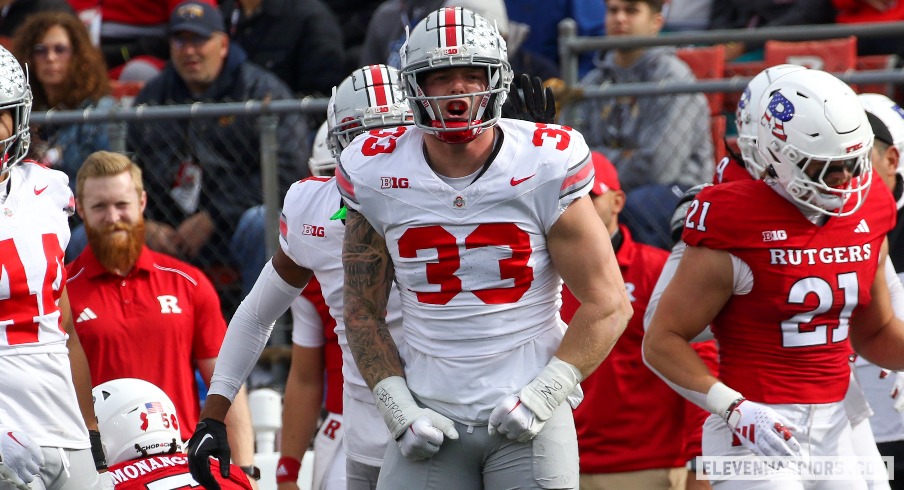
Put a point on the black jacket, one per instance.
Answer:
(226, 148)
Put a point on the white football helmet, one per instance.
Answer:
(449, 38)
(889, 112)
(136, 419)
(322, 162)
(746, 115)
(15, 96)
(812, 126)
(369, 98)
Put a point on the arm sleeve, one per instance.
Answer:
(895, 288)
(249, 330)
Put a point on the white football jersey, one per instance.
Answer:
(480, 296)
(314, 241)
(34, 362)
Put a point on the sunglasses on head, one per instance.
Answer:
(58, 49)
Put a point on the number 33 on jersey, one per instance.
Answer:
(460, 250)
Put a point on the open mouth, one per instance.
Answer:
(457, 108)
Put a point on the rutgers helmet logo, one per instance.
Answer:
(779, 111)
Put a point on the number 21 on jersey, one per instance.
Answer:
(21, 308)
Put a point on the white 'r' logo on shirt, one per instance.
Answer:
(168, 304)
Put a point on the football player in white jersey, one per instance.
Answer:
(475, 217)
(311, 231)
(42, 365)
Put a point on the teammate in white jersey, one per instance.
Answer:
(38, 383)
(311, 231)
(475, 218)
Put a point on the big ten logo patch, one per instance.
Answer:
(393, 183)
(330, 428)
(313, 230)
(169, 304)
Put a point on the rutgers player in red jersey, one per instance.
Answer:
(142, 440)
(44, 379)
(784, 269)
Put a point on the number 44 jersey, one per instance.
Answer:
(480, 296)
(783, 337)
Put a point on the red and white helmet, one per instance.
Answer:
(812, 123)
(322, 162)
(136, 419)
(15, 96)
(369, 98)
(455, 37)
(748, 112)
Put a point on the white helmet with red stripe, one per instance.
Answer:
(15, 96)
(454, 37)
(322, 161)
(369, 98)
(136, 419)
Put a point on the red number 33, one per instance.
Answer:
(381, 141)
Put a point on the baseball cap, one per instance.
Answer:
(606, 177)
(880, 130)
(198, 17)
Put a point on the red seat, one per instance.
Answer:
(876, 62)
(832, 55)
(707, 62)
(717, 128)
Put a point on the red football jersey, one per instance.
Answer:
(332, 354)
(170, 472)
(730, 170)
(622, 396)
(786, 341)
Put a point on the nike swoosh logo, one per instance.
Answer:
(39, 191)
(206, 436)
(13, 437)
(515, 181)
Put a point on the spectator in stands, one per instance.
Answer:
(126, 29)
(857, 11)
(144, 447)
(68, 73)
(14, 13)
(543, 17)
(298, 40)
(205, 183)
(617, 448)
(752, 14)
(120, 291)
(353, 17)
(386, 31)
(660, 145)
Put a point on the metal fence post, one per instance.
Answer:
(117, 134)
(267, 123)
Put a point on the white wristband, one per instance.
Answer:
(550, 388)
(720, 397)
(396, 404)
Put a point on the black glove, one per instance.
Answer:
(209, 440)
(538, 104)
(97, 451)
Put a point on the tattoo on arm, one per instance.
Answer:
(368, 278)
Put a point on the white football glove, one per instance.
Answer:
(761, 429)
(521, 417)
(401, 413)
(20, 458)
(897, 391)
(514, 420)
(106, 481)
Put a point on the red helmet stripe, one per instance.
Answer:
(379, 84)
(450, 27)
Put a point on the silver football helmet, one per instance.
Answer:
(449, 38)
(747, 114)
(15, 97)
(322, 162)
(813, 127)
(136, 419)
(369, 98)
